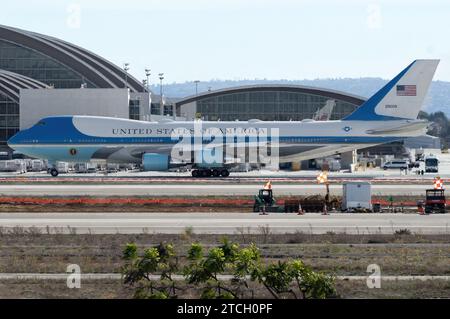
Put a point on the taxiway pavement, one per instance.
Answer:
(197, 189)
(227, 223)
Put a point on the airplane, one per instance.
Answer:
(324, 113)
(389, 115)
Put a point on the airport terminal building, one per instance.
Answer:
(10, 85)
(42, 76)
(267, 103)
(58, 63)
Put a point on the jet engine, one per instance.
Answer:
(155, 162)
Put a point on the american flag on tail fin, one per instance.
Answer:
(406, 90)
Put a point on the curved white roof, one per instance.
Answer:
(95, 69)
(11, 83)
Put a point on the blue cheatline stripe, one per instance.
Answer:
(168, 140)
(366, 112)
(61, 131)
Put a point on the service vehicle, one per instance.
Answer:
(397, 164)
(435, 201)
(431, 164)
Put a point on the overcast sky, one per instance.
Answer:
(247, 39)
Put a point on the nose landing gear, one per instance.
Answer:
(54, 172)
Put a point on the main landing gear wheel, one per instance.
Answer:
(209, 173)
(54, 172)
(205, 173)
(215, 173)
(225, 173)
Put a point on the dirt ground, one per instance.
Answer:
(170, 203)
(110, 289)
(337, 254)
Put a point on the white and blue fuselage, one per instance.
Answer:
(389, 115)
(84, 138)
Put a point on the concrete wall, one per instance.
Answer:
(38, 103)
(188, 110)
(145, 101)
(348, 159)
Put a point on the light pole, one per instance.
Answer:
(147, 74)
(144, 116)
(126, 67)
(161, 106)
(196, 86)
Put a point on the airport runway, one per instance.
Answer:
(197, 189)
(227, 223)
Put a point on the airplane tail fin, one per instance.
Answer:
(401, 98)
(324, 113)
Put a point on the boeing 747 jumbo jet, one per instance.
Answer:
(211, 147)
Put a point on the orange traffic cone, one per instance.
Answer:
(421, 210)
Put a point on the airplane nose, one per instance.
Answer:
(13, 140)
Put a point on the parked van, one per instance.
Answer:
(398, 164)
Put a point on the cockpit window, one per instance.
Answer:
(42, 123)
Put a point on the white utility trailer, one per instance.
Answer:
(356, 196)
(62, 167)
(16, 165)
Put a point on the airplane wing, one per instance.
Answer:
(323, 151)
(411, 127)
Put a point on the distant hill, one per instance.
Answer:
(437, 100)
